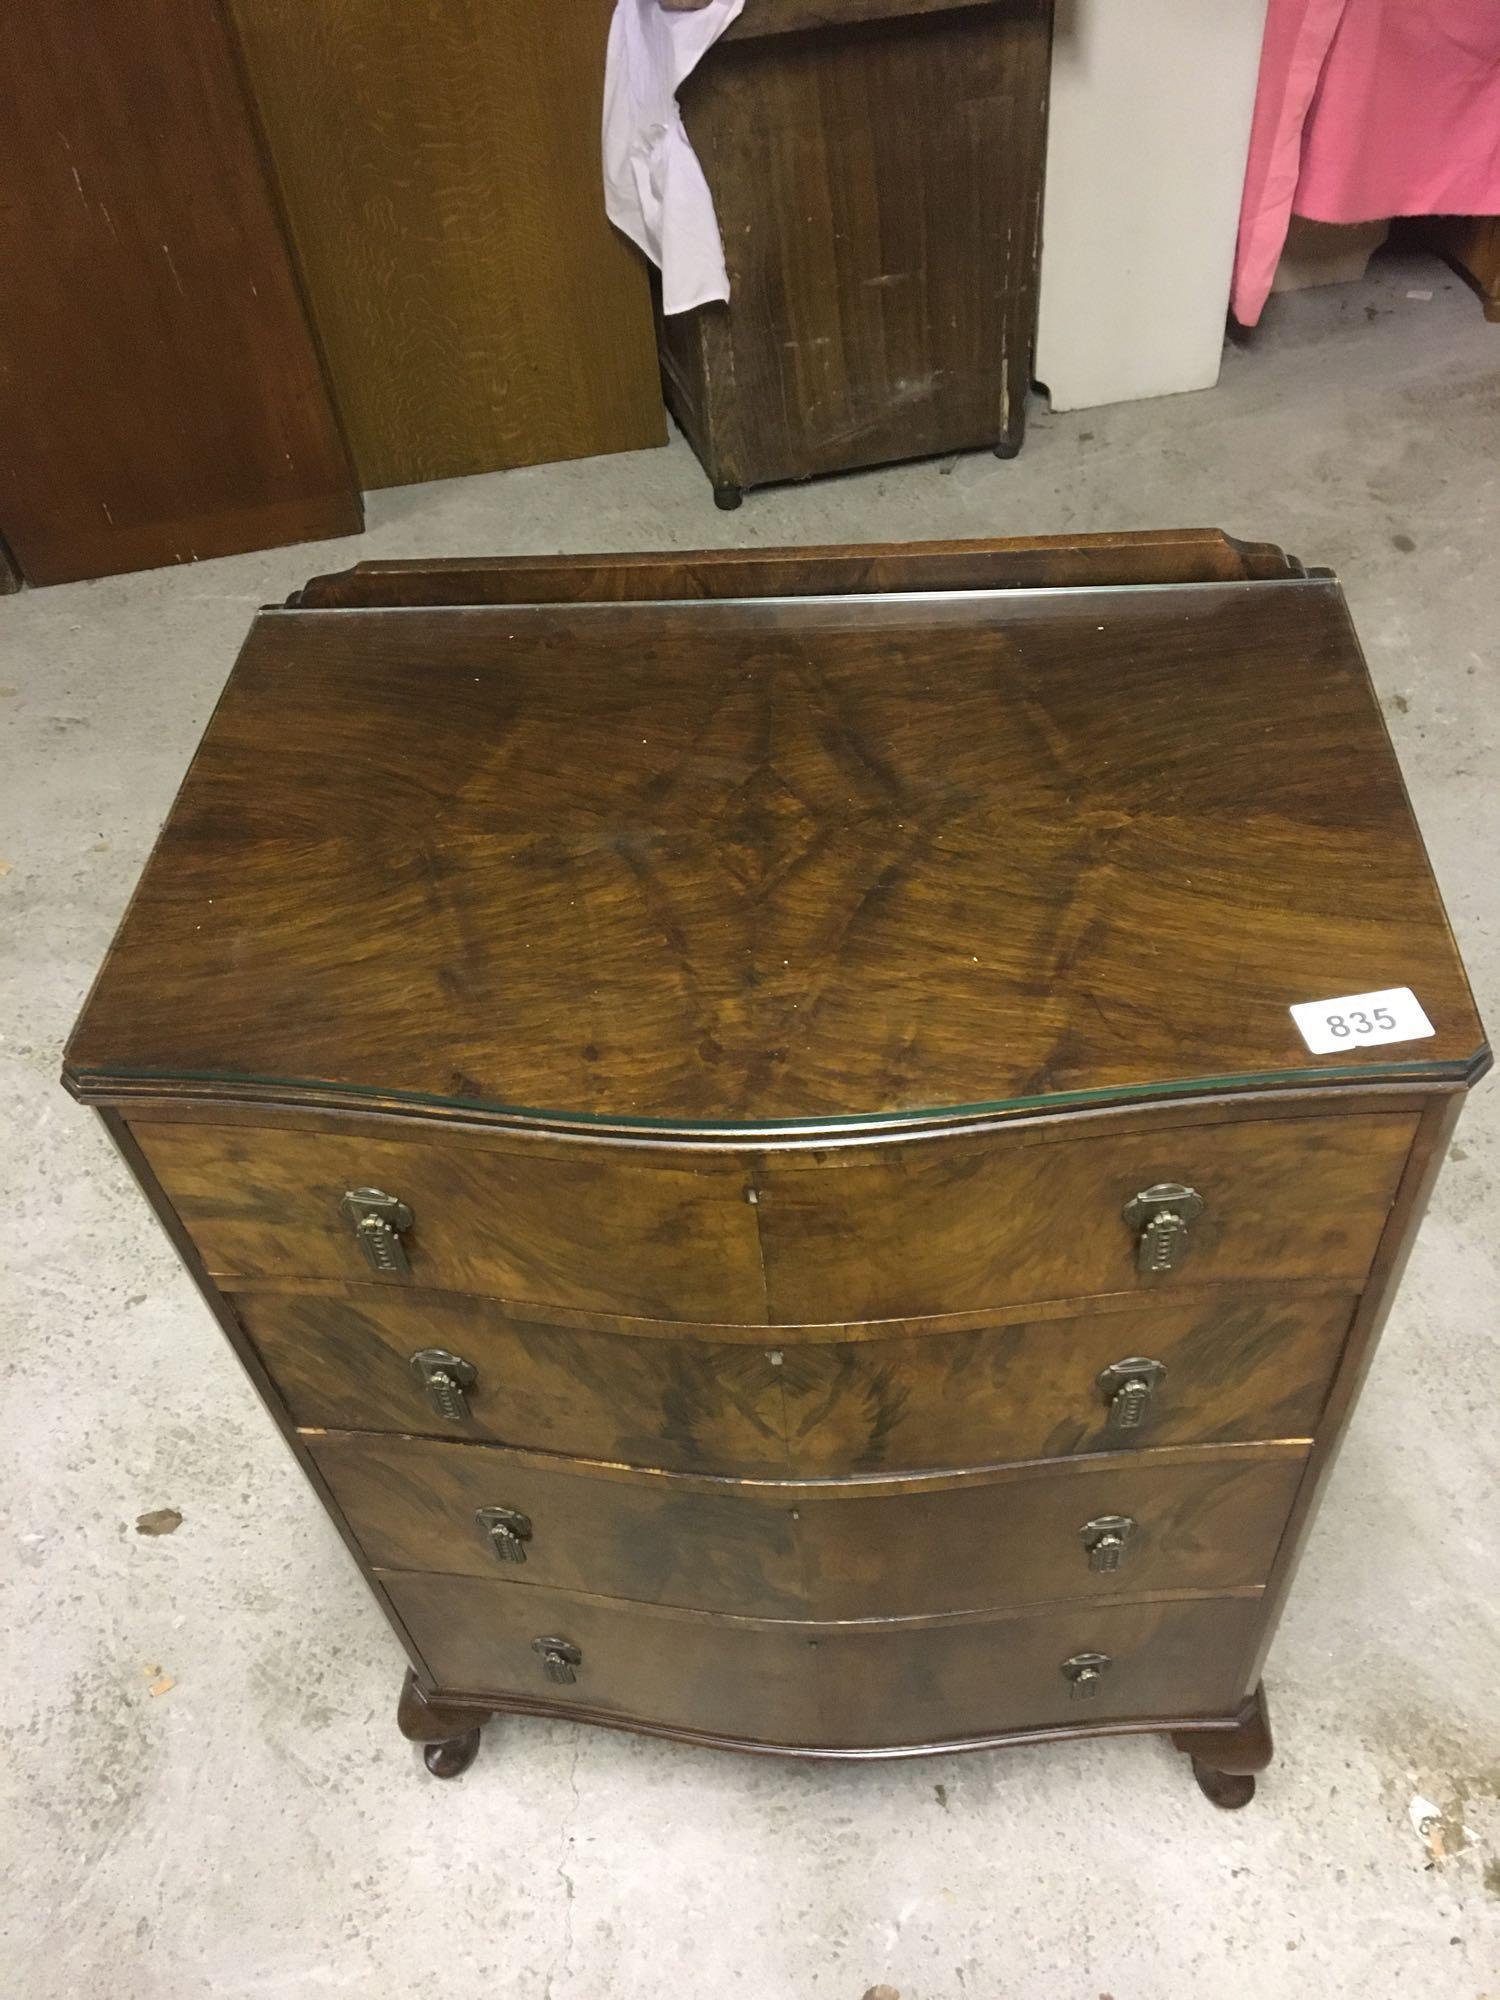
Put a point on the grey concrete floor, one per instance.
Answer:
(258, 1828)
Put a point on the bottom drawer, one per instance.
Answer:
(839, 1687)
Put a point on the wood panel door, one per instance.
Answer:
(161, 397)
(441, 175)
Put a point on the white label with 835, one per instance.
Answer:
(1362, 1020)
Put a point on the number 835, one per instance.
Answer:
(1356, 1022)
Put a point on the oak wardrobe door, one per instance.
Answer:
(439, 166)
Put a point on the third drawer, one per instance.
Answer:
(997, 1539)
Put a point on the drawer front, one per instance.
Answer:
(958, 1225)
(606, 1234)
(1227, 1370)
(343, 1361)
(832, 1687)
(1233, 1369)
(931, 1227)
(1163, 1521)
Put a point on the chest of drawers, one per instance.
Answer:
(744, 1116)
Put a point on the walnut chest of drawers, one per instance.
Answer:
(744, 1115)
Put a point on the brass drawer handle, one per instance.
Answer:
(1128, 1386)
(377, 1220)
(1160, 1215)
(446, 1378)
(509, 1531)
(560, 1659)
(1085, 1671)
(1105, 1539)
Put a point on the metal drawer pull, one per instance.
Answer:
(509, 1532)
(1085, 1671)
(377, 1220)
(1128, 1387)
(1105, 1540)
(560, 1658)
(1161, 1215)
(445, 1377)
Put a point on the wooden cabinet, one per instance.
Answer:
(877, 170)
(754, 1140)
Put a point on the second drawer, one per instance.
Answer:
(883, 1548)
(1221, 1369)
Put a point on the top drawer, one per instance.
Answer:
(934, 1226)
(964, 1224)
(602, 1231)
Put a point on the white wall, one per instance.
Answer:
(1150, 125)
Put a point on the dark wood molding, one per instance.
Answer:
(456, 1709)
(1026, 562)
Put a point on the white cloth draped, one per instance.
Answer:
(654, 187)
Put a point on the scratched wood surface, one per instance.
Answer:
(759, 861)
(439, 166)
(879, 188)
(893, 1397)
(980, 1541)
(869, 1685)
(161, 398)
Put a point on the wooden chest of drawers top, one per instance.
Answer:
(771, 865)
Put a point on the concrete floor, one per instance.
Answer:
(204, 1792)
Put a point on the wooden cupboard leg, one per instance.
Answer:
(727, 498)
(449, 1736)
(1225, 1760)
(1008, 447)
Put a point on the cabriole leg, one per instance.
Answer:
(449, 1736)
(1225, 1760)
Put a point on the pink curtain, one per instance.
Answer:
(1368, 109)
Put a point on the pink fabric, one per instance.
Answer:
(1366, 109)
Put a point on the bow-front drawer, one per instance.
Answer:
(1075, 1208)
(885, 1548)
(1209, 1368)
(917, 1682)
(615, 1232)
(932, 1226)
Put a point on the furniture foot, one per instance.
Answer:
(1008, 448)
(727, 498)
(1225, 1760)
(449, 1736)
(453, 1756)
